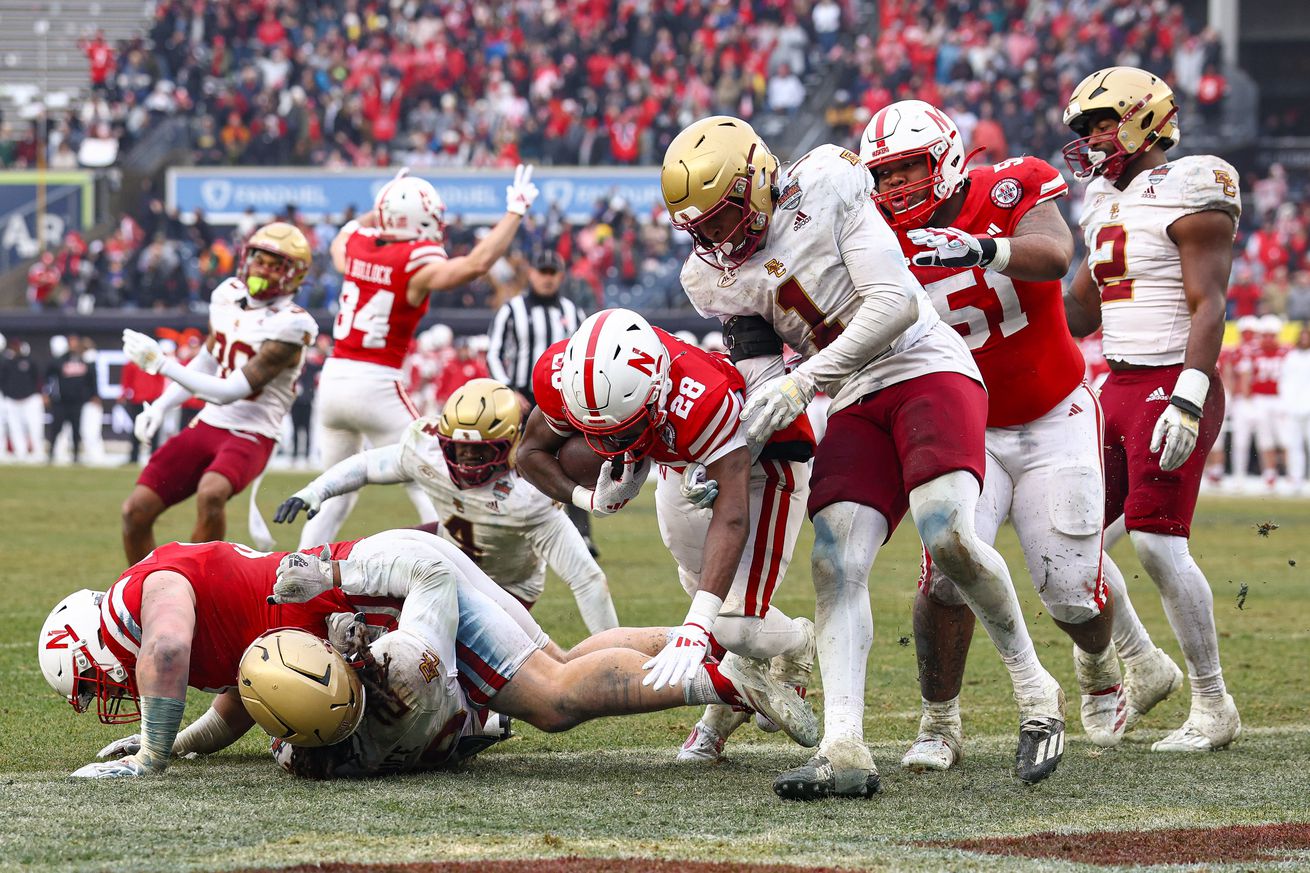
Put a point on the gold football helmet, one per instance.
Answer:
(300, 689)
(286, 242)
(478, 430)
(715, 165)
(1147, 115)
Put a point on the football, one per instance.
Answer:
(580, 463)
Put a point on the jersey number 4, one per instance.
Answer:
(373, 318)
(974, 305)
(461, 531)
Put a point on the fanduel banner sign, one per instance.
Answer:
(476, 195)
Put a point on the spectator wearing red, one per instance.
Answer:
(43, 282)
(101, 57)
(1244, 294)
(1210, 93)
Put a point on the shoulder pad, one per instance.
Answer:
(1207, 182)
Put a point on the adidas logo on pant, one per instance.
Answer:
(1158, 394)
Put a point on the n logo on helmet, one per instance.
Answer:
(642, 362)
(58, 638)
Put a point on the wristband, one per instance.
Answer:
(1000, 259)
(582, 497)
(704, 610)
(1190, 391)
(160, 719)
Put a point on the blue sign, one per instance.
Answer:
(67, 199)
(478, 196)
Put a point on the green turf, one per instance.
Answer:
(611, 787)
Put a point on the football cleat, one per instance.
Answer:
(938, 747)
(1210, 726)
(1041, 732)
(1147, 681)
(794, 670)
(497, 728)
(1104, 706)
(705, 742)
(843, 769)
(762, 693)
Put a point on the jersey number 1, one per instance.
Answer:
(792, 298)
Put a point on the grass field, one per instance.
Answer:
(611, 788)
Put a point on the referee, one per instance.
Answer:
(524, 327)
(529, 323)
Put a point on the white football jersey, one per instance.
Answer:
(1144, 311)
(238, 334)
(825, 225)
(508, 527)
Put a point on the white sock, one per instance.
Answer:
(944, 713)
(1189, 605)
(847, 539)
(774, 634)
(1130, 637)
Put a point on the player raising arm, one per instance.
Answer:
(246, 372)
(1159, 236)
(463, 461)
(391, 261)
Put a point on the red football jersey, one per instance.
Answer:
(704, 407)
(375, 322)
(1015, 329)
(231, 584)
(1265, 366)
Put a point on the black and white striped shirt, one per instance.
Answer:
(522, 329)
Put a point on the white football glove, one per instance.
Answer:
(301, 577)
(128, 767)
(610, 494)
(1175, 432)
(121, 748)
(951, 247)
(697, 488)
(147, 424)
(681, 655)
(520, 194)
(144, 351)
(776, 404)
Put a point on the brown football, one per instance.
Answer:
(580, 463)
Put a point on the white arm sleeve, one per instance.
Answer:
(888, 290)
(558, 542)
(208, 387)
(427, 585)
(175, 393)
(372, 467)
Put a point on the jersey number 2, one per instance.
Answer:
(373, 318)
(1110, 265)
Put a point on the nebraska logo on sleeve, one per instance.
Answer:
(1007, 192)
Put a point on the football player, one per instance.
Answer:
(990, 247)
(808, 251)
(463, 461)
(246, 372)
(391, 260)
(640, 395)
(185, 615)
(1159, 237)
(1259, 370)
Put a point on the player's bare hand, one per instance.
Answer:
(301, 577)
(1174, 437)
(147, 424)
(120, 748)
(776, 404)
(144, 351)
(304, 499)
(520, 195)
(698, 488)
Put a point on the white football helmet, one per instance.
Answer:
(613, 381)
(1249, 324)
(908, 129)
(713, 342)
(1270, 324)
(409, 208)
(76, 663)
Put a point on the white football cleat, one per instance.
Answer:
(932, 751)
(704, 745)
(1148, 681)
(1104, 708)
(1210, 726)
(762, 693)
(794, 670)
